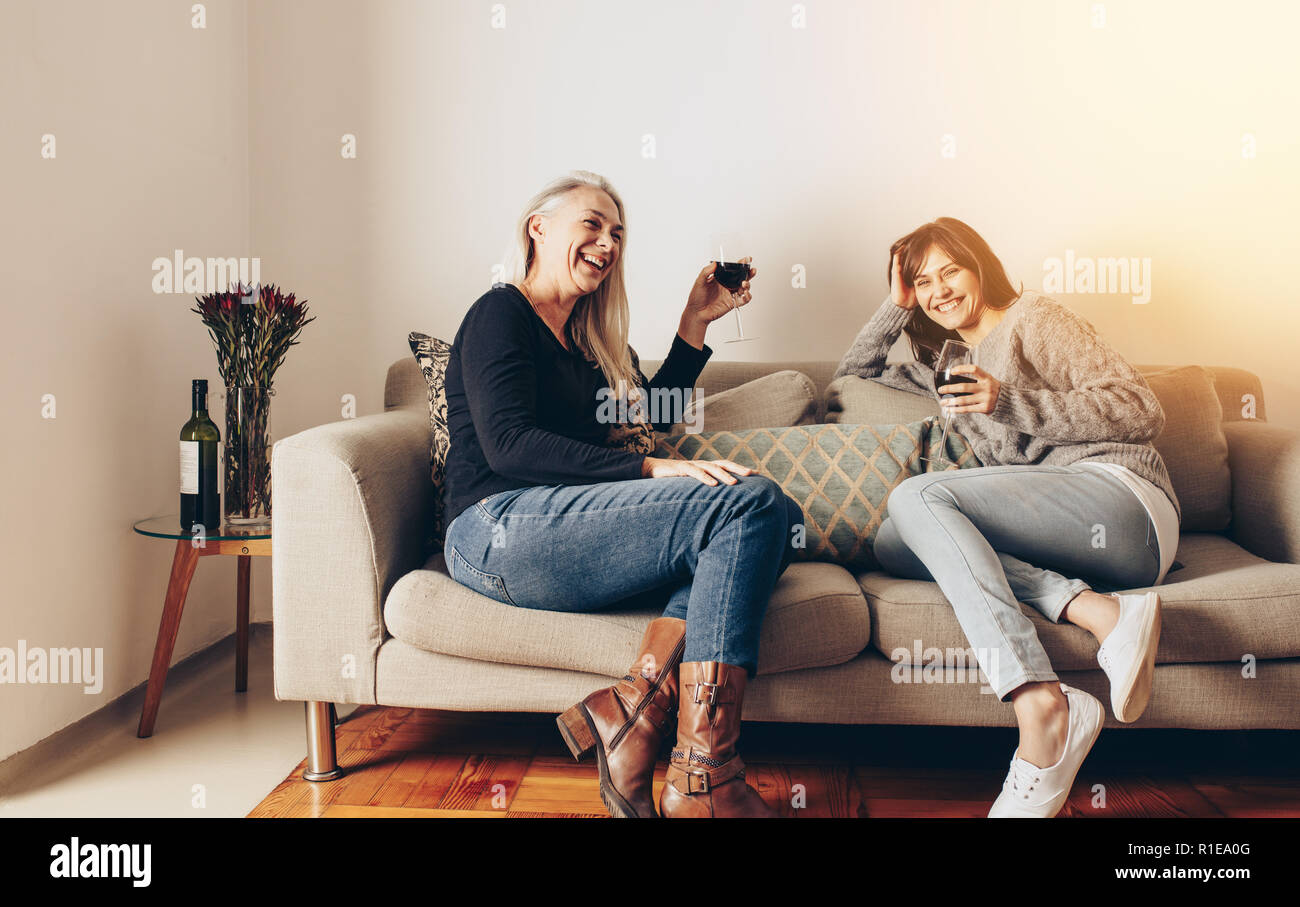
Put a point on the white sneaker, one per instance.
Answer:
(1030, 792)
(1128, 656)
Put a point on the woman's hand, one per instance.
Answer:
(710, 300)
(704, 470)
(980, 397)
(904, 296)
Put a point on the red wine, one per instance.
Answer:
(730, 273)
(945, 377)
(200, 502)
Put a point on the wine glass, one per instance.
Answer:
(953, 353)
(725, 250)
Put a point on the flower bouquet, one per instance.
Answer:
(252, 328)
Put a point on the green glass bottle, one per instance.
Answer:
(199, 437)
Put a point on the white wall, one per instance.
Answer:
(823, 143)
(151, 135)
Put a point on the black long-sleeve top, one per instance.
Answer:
(521, 409)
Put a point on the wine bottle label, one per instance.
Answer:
(189, 467)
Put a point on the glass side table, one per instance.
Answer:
(227, 540)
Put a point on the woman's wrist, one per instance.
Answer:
(692, 330)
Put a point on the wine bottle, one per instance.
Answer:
(199, 436)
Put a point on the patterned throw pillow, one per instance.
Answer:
(841, 474)
(636, 435)
(432, 355)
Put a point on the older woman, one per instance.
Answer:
(552, 506)
(1062, 426)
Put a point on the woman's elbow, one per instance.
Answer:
(1151, 425)
(501, 457)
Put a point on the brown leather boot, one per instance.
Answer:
(624, 723)
(706, 777)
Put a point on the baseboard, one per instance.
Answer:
(123, 707)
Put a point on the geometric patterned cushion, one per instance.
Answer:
(841, 474)
(432, 355)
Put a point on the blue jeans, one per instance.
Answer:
(708, 554)
(993, 535)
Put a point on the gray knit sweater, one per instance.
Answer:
(1066, 396)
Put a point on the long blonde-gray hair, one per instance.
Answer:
(599, 321)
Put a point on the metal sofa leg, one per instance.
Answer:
(322, 760)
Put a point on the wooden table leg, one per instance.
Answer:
(178, 586)
(241, 626)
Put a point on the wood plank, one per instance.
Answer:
(1248, 799)
(486, 782)
(1138, 797)
(535, 815)
(347, 811)
(434, 784)
(429, 775)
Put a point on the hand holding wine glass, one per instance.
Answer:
(730, 276)
(711, 298)
(949, 384)
(977, 390)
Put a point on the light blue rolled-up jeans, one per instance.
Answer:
(994, 536)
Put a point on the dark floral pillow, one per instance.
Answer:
(432, 355)
(636, 436)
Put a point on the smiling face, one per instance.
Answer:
(579, 244)
(948, 292)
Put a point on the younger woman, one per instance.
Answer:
(1062, 426)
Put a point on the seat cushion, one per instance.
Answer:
(1222, 605)
(841, 475)
(816, 617)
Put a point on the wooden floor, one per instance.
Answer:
(413, 763)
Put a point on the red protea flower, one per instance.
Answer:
(252, 329)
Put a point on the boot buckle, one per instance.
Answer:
(697, 782)
(713, 693)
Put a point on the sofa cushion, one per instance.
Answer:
(841, 475)
(862, 401)
(1193, 445)
(815, 617)
(1222, 605)
(786, 397)
(432, 355)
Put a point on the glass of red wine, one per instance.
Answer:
(953, 353)
(725, 251)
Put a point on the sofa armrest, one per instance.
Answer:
(1265, 464)
(352, 508)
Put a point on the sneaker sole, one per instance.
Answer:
(1134, 695)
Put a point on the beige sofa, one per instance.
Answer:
(366, 613)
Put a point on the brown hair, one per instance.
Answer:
(968, 249)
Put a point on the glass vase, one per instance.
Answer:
(246, 502)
